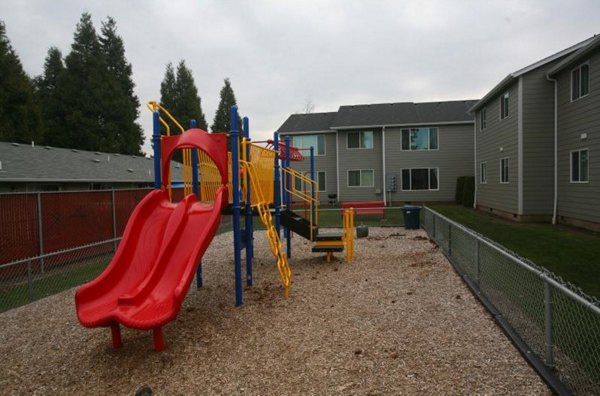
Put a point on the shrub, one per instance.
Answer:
(468, 196)
(458, 195)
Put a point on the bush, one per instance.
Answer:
(468, 196)
(458, 195)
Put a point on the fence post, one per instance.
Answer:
(114, 220)
(548, 324)
(40, 230)
(449, 239)
(29, 281)
(477, 276)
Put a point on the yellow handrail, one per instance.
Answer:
(304, 196)
(348, 224)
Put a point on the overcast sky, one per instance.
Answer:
(279, 55)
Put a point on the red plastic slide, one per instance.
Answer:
(145, 284)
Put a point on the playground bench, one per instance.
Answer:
(365, 207)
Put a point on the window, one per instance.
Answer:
(360, 178)
(306, 141)
(360, 140)
(579, 166)
(483, 173)
(504, 106)
(482, 119)
(580, 81)
(420, 179)
(504, 170)
(416, 139)
(300, 185)
(321, 181)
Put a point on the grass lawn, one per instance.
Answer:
(570, 253)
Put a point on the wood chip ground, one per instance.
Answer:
(398, 320)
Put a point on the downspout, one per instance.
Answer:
(383, 156)
(337, 165)
(475, 159)
(555, 206)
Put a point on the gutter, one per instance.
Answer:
(555, 205)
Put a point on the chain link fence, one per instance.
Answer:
(554, 324)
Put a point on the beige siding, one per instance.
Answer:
(355, 159)
(579, 200)
(538, 142)
(453, 158)
(499, 134)
(323, 163)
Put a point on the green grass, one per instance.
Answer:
(568, 252)
(51, 282)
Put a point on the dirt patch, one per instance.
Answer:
(397, 320)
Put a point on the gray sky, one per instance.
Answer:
(281, 54)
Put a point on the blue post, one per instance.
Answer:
(288, 199)
(195, 182)
(312, 177)
(156, 146)
(235, 181)
(277, 187)
(196, 190)
(249, 221)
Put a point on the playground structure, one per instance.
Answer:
(147, 280)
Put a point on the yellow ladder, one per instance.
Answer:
(262, 206)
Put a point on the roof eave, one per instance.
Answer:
(340, 128)
(575, 57)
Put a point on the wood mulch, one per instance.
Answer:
(397, 320)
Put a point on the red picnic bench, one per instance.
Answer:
(365, 207)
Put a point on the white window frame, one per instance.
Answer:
(359, 170)
(482, 172)
(571, 166)
(482, 119)
(428, 139)
(507, 170)
(505, 95)
(588, 81)
(428, 178)
(306, 151)
(359, 140)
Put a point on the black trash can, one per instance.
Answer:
(411, 217)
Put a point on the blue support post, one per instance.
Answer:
(235, 181)
(277, 187)
(288, 203)
(312, 190)
(156, 147)
(196, 190)
(195, 181)
(249, 221)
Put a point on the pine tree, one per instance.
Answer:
(188, 103)
(222, 120)
(168, 96)
(49, 96)
(20, 119)
(86, 91)
(124, 104)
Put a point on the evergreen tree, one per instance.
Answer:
(123, 106)
(168, 96)
(222, 120)
(20, 119)
(49, 96)
(187, 102)
(86, 91)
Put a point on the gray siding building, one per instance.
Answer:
(358, 149)
(578, 137)
(514, 143)
(544, 111)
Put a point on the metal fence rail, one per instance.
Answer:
(24, 281)
(555, 325)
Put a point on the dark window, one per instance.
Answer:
(360, 140)
(321, 181)
(482, 119)
(418, 139)
(579, 166)
(580, 81)
(420, 179)
(504, 170)
(504, 106)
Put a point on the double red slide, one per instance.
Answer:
(146, 282)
